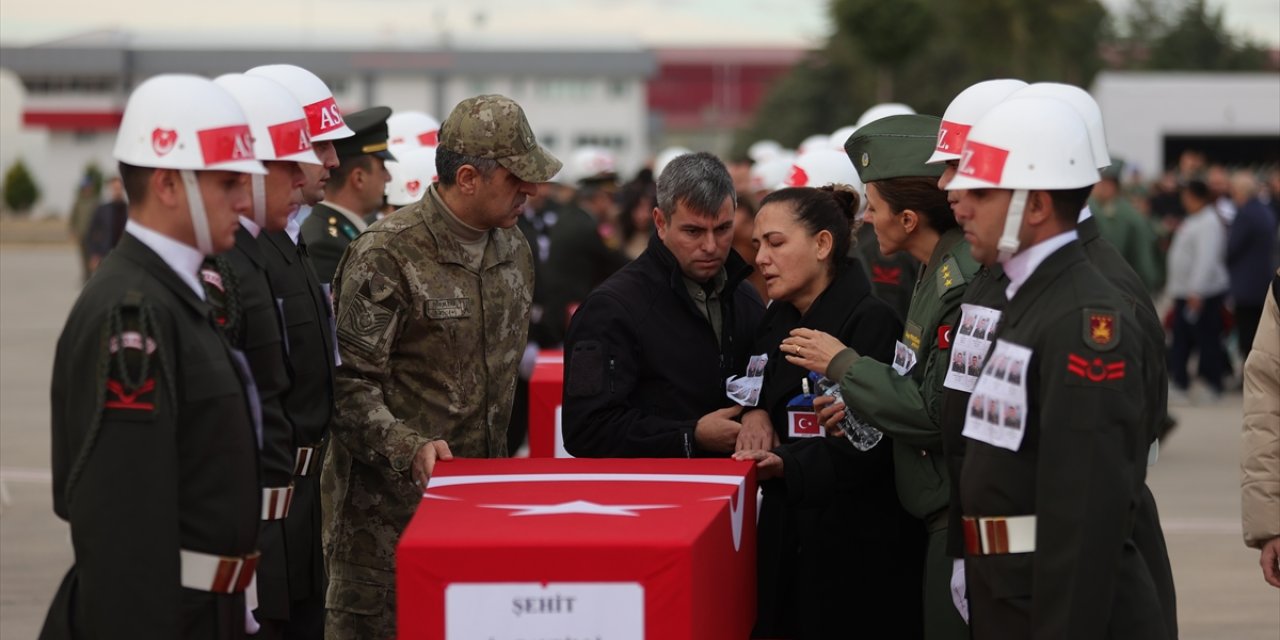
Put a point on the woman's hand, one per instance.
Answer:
(768, 464)
(811, 349)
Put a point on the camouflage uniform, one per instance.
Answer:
(430, 349)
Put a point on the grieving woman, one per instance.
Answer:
(838, 556)
(902, 396)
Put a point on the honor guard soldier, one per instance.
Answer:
(311, 349)
(253, 317)
(433, 315)
(354, 190)
(1052, 472)
(155, 445)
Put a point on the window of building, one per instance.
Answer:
(618, 88)
(51, 85)
(608, 141)
(564, 89)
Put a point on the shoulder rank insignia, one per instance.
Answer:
(1095, 370)
(949, 276)
(1101, 329)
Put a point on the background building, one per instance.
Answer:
(73, 93)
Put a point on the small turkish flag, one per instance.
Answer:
(804, 424)
(944, 336)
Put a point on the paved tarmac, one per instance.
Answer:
(1221, 594)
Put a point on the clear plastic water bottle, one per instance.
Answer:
(860, 434)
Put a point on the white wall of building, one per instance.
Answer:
(1140, 109)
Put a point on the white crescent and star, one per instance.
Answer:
(584, 507)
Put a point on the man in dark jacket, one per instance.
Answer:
(1249, 262)
(648, 352)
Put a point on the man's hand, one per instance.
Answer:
(1270, 562)
(768, 464)
(425, 462)
(718, 431)
(830, 413)
(757, 432)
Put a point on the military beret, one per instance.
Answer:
(495, 127)
(1114, 171)
(895, 147)
(370, 127)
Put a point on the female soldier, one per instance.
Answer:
(838, 556)
(909, 213)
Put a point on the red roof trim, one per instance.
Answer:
(73, 120)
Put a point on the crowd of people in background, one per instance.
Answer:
(346, 255)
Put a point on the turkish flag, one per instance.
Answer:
(500, 548)
(804, 424)
(546, 393)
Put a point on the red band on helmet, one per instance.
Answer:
(323, 116)
(288, 138)
(983, 162)
(429, 139)
(412, 187)
(798, 177)
(951, 136)
(226, 144)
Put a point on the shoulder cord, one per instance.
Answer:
(114, 330)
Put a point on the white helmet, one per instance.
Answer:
(813, 143)
(188, 123)
(762, 150)
(278, 124)
(1025, 144)
(665, 157)
(1085, 107)
(587, 163)
(768, 174)
(965, 109)
(841, 136)
(178, 121)
(822, 167)
(882, 110)
(412, 129)
(324, 119)
(413, 170)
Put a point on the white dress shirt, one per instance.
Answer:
(184, 259)
(1020, 267)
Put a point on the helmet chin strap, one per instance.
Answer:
(199, 221)
(1008, 244)
(259, 200)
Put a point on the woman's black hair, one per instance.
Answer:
(833, 208)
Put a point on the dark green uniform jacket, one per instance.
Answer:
(908, 408)
(834, 503)
(309, 341)
(1079, 468)
(327, 232)
(154, 451)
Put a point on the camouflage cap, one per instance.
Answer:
(493, 126)
(895, 147)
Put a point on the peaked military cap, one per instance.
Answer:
(370, 127)
(895, 147)
(495, 127)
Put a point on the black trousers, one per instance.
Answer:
(1200, 332)
(1247, 319)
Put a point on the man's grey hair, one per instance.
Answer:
(699, 180)
(448, 163)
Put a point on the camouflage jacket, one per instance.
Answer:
(430, 350)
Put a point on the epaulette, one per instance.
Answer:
(333, 226)
(949, 276)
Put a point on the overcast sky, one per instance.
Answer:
(410, 22)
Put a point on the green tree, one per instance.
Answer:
(1199, 40)
(887, 33)
(20, 190)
